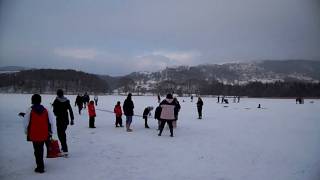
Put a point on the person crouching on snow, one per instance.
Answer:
(118, 111)
(39, 126)
(146, 113)
(92, 114)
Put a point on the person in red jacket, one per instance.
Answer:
(39, 126)
(118, 111)
(92, 114)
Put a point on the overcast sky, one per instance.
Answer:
(117, 37)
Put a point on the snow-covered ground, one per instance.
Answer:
(238, 142)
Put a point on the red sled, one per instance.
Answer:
(53, 149)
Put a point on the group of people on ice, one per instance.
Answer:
(40, 126)
(83, 101)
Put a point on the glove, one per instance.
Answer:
(71, 123)
(54, 136)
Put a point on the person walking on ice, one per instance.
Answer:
(92, 114)
(39, 126)
(167, 113)
(61, 106)
(128, 107)
(118, 111)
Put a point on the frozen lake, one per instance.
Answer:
(281, 141)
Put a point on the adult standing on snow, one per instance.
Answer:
(159, 98)
(128, 107)
(176, 112)
(38, 126)
(199, 107)
(167, 113)
(61, 106)
(79, 103)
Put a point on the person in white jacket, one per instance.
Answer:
(39, 127)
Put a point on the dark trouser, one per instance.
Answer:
(96, 102)
(118, 121)
(38, 154)
(145, 121)
(79, 108)
(91, 122)
(163, 122)
(62, 137)
(200, 112)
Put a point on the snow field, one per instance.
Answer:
(238, 142)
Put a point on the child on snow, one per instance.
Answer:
(38, 126)
(118, 111)
(92, 114)
(146, 113)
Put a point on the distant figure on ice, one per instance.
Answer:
(176, 112)
(238, 99)
(167, 113)
(159, 98)
(218, 99)
(39, 126)
(86, 99)
(118, 111)
(191, 98)
(79, 103)
(225, 101)
(146, 113)
(92, 114)
(199, 107)
(128, 107)
(61, 106)
(96, 99)
(299, 100)
(222, 99)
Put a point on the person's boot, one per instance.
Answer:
(146, 126)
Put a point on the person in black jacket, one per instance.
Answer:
(146, 112)
(61, 106)
(79, 103)
(128, 107)
(199, 107)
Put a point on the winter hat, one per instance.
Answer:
(169, 96)
(35, 99)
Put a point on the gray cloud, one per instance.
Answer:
(117, 37)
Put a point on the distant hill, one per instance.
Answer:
(258, 79)
(49, 80)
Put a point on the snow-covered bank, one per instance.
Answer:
(238, 142)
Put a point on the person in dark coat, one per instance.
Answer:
(176, 112)
(146, 113)
(167, 113)
(157, 114)
(128, 107)
(79, 103)
(86, 99)
(61, 106)
(159, 98)
(39, 127)
(199, 107)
